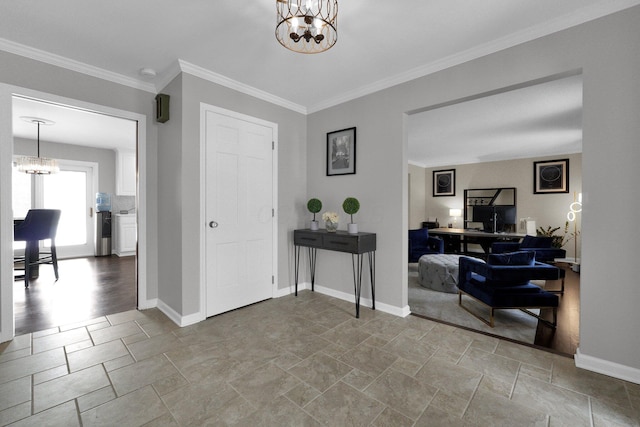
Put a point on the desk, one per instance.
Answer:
(356, 244)
(455, 237)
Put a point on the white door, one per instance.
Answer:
(239, 212)
(71, 190)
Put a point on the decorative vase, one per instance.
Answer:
(314, 225)
(352, 228)
(332, 227)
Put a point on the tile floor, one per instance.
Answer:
(296, 361)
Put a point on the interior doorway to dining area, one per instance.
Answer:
(92, 267)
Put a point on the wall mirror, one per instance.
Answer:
(490, 209)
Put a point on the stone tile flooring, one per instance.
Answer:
(296, 362)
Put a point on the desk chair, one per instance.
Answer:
(420, 243)
(40, 224)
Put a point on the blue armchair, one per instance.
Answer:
(503, 282)
(541, 245)
(420, 243)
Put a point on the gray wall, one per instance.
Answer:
(105, 158)
(608, 53)
(418, 191)
(171, 201)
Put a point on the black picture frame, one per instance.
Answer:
(341, 152)
(444, 183)
(551, 176)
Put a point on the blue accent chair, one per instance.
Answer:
(541, 245)
(420, 243)
(503, 282)
(39, 224)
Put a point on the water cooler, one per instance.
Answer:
(103, 225)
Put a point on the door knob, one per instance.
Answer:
(213, 224)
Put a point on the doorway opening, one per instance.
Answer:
(490, 140)
(86, 144)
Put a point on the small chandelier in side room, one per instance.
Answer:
(38, 165)
(307, 26)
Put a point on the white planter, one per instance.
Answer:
(314, 225)
(352, 228)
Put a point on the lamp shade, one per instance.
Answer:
(455, 212)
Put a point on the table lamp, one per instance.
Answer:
(455, 213)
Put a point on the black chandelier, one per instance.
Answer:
(307, 26)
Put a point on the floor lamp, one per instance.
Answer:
(572, 216)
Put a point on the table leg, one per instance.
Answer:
(372, 275)
(296, 255)
(312, 266)
(356, 263)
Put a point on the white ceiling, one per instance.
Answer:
(379, 44)
(539, 120)
(72, 125)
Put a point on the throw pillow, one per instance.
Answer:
(512, 258)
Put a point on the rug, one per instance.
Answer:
(512, 324)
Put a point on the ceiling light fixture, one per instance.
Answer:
(307, 26)
(38, 165)
(148, 72)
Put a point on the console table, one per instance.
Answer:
(357, 245)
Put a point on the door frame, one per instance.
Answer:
(7, 325)
(92, 187)
(204, 108)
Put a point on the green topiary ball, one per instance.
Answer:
(314, 205)
(351, 205)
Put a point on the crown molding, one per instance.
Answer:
(555, 25)
(205, 74)
(168, 75)
(603, 8)
(70, 64)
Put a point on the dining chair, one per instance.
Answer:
(39, 224)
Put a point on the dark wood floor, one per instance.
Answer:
(566, 336)
(87, 288)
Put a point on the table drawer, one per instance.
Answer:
(341, 243)
(307, 239)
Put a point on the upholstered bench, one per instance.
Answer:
(439, 272)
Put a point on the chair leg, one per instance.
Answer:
(54, 259)
(27, 269)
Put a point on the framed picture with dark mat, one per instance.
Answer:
(551, 176)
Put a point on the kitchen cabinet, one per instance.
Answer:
(125, 172)
(125, 238)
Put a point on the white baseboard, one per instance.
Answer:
(150, 303)
(283, 292)
(606, 367)
(364, 302)
(178, 319)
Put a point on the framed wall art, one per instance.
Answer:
(341, 152)
(444, 183)
(551, 176)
